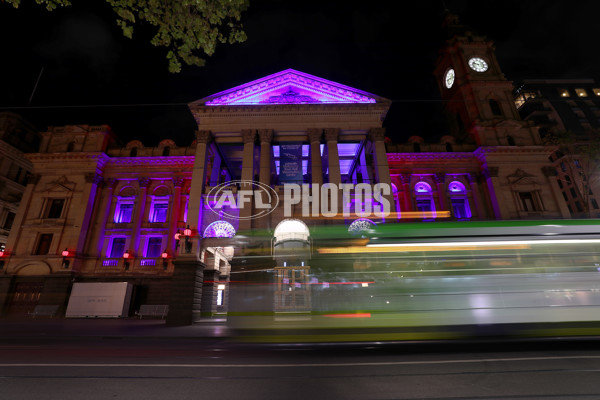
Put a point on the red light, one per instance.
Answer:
(177, 235)
(164, 254)
(187, 231)
(126, 255)
(1, 254)
(65, 253)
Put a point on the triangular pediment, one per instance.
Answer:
(290, 87)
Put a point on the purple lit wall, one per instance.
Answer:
(290, 87)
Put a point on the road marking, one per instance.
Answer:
(470, 361)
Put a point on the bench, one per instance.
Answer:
(151, 310)
(44, 311)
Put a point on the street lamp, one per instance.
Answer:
(126, 256)
(188, 245)
(65, 262)
(1, 259)
(177, 236)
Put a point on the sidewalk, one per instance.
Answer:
(104, 327)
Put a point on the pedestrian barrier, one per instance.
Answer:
(151, 310)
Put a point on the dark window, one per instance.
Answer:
(577, 163)
(117, 247)
(560, 184)
(55, 208)
(424, 204)
(563, 167)
(573, 193)
(570, 209)
(133, 152)
(495, 107)
(416, 147)
(565, 196)
(459, 208)
(449, 147)
(43, 244)
(510, 140)
(70, 147)
(568, 178)
(527, 201)
(154, 247)
(166, 151)
(579, 208)
(594, 204)
(8, 222)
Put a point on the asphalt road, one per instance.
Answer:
(212, 368)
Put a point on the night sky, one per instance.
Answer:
(386, 48)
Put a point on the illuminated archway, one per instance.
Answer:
(219, 229)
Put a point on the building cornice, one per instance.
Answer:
(100, 158)
(430, 156)
(187, 161)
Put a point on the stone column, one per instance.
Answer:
(139, 215)
(440, 180)
(83, 215)
(24, 207)
(550, 173)
(195, 203)
(186, 292)
(215, 174)
(333, 158)
(382, 169)
(476, 196)
(248, 136)
(265, 135)
(407, 194)
(491, 176)
(173, 224)
(316, 167)
(105, 206)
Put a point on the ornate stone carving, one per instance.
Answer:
(520, 177)
(33, 179)
(265, 135)
(248, 135)
(493, 172)
(178, 181)
(439, 177)
(144, 182)
(331, 134)
(290, 97)
(94, 178)
(376, 134)
(314, 135)
(549, 171)
(202, 136)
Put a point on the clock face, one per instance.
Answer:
(449, 78)
(478, 64)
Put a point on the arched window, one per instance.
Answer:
(133, 152)
(417, 147)
(361, 226)
(510, 140)
(459, 200)
(70, 147)
(166, 151)
(424, 197)
(291, 229)
(449, 147)
(495, 107)
(219, 229)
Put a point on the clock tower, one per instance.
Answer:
(477, 98)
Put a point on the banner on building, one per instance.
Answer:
(290, 163)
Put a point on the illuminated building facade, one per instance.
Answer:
(93, 211)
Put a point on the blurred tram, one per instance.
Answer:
(437, 280)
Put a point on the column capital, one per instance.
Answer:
(405, 178)
(144, 182)
(377, 134)
(331, 134)
(110, 183)
(314, 135)
(439, 177)
(178, 181)
(248, 135)
(549, 171)
(94, 178)
(202, 136)
(265, 135)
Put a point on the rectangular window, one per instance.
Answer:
(565, 196)
(43, 246)
(577, 163)
(424, 205)
(573, 193)
(460, 208)
(527, 201)
(117, 247)
(55, 208)
(579, 208)
(154, 247)
(560, 184)
(8, 221)
(124, 211)
(159, 209)
(594, 204)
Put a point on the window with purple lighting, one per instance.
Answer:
(154, 247)
(459, 200)
(219, 229)
(117, 247)
(159, 209)
(124, 210)
(424, 197)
